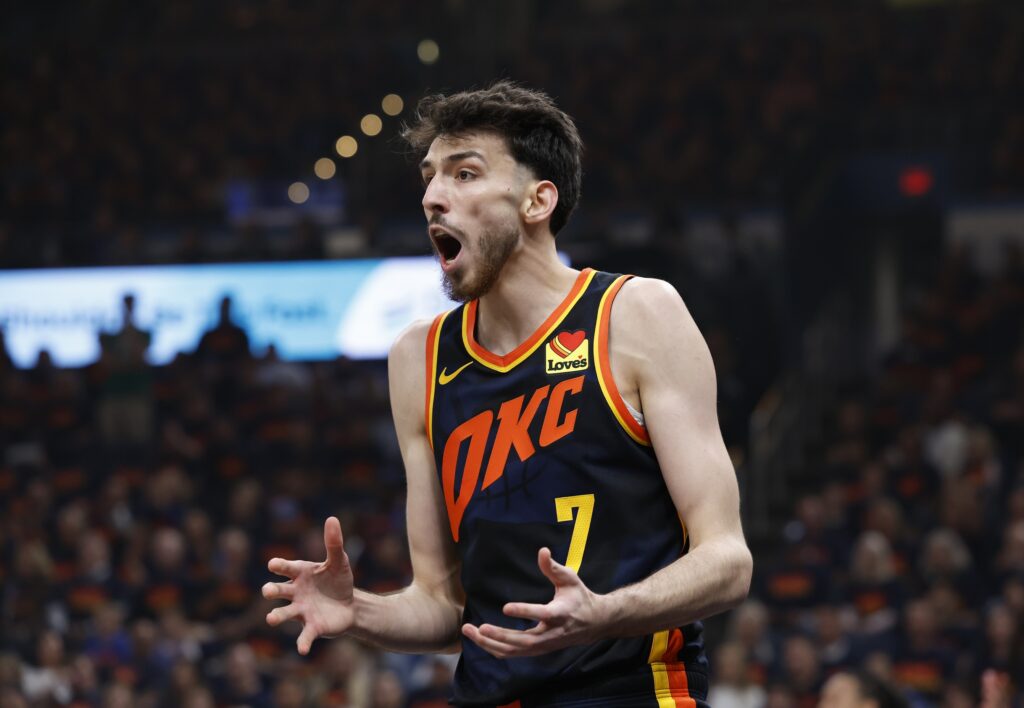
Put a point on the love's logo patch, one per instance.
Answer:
(567, 351)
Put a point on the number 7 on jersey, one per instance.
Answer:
(584, 506)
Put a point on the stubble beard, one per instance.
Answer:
(494, 249)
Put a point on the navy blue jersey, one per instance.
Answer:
(538, 448)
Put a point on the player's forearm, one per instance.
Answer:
(410, 620)
(709, 579)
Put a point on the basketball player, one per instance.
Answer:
(572, 510)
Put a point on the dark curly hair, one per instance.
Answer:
(538, 134)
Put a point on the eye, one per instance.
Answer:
(426, 180)
(464, 175)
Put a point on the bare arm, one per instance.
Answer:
(422, 617)
(658, 351)
(661, 364)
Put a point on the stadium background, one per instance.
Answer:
(836, 189)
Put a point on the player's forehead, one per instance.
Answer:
(490, 147)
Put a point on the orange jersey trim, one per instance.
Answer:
(507, 362)
(671, 687)
(602, 362)
(433, 340)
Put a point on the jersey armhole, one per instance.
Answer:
(433, 341)
(602, 364)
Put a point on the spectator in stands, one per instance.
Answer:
(345, 673)
(107, 643)
(226, 344)
(921, 661)
(290, 375)
(780, 696)
(750, 627)
(387, 691)
(1013, 593)
(289, 692)
(184, 678)
(242, 682)
(733, 685)
(875, 591)
(433, 693)
(199, 697)
(957, 619)
(1003, 646)
(1010, 560)
(85, 683)
(836, 646)
(49, 678)
(119, 695)
(11, 681)
(859, 690)
(801, 670)
(885, 516)
(126, 401)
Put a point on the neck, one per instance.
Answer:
(532, 284)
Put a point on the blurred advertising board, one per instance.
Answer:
(308, 310)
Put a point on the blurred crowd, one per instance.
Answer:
(125, 126)
(142, 503)
(905, 551)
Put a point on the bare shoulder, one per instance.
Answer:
(650, 324)
(407, 371)
(650, 303)
(410, 344)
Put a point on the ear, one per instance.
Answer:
(540, 202)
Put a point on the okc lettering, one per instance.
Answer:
(514, 418)
(566, 365)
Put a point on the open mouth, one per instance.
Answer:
(448, 247)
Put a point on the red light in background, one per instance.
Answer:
(916, 181)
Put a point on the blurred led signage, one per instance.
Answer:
(309, 311)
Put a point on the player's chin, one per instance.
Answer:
(460, 284)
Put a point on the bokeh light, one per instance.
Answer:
(428, 51)
(371, 124)
(324, 168)
(298, 192)
(392, 104)
(346, 146)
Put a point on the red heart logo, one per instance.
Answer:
(570, 340)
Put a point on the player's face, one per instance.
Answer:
(473, 192)
(842, 691)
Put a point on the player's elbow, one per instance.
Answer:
(739, 571)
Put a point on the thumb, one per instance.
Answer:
(334, 542)
(554, 571)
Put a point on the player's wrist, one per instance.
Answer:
(608, 612)
(362, 608)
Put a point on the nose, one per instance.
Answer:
(435, 198)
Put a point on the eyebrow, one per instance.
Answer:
(456, 157)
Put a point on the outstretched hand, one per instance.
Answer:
(320, 594)
(574, 616)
